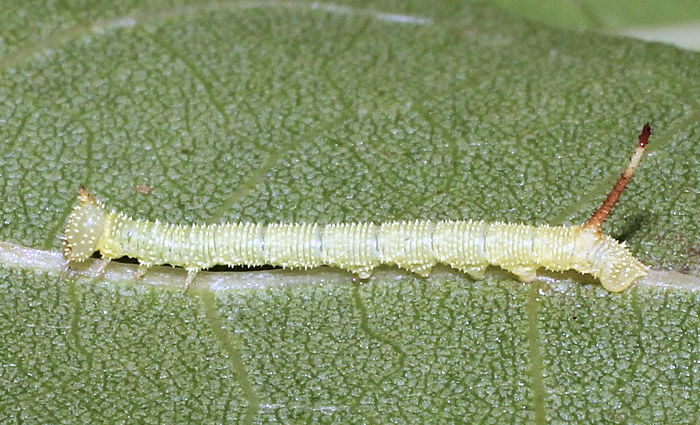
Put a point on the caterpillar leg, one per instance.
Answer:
(104, 261)
(422, 270)
(143, 268)
(363, 273)
(475, 272)
(525, 274)
(191, 274)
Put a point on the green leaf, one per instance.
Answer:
(601, 14)
(295, 111)
(676, 23)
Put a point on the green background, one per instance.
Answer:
(360, 111)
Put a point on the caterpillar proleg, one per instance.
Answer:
(467, 245)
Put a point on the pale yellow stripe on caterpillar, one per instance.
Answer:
(461, 245)
(351, 246)
(359, 247)
(239, 243)
(292, 246)
(503, 247)
(409, 245)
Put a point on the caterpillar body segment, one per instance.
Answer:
(470, 246)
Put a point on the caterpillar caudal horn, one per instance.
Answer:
(468, 245)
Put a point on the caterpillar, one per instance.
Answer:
(468, 245)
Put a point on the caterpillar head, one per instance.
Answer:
(86, 224)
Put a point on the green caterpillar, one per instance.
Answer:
(469, 246)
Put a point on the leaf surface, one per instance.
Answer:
(317, 112)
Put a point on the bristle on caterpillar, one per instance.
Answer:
(469, 246)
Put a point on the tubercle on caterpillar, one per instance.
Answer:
(469, 246)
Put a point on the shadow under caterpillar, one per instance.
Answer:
(469, 246)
